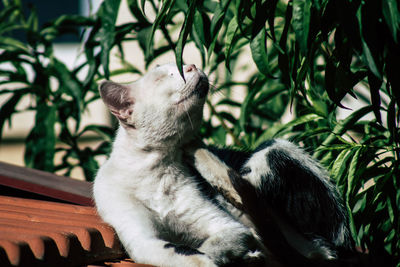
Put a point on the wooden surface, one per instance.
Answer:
(46, 184)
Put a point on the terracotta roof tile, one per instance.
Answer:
(34, 232)
(37, 230)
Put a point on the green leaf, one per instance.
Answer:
(344, 126)
(391, 14)
(369, 60)
(198, 33)
(229, 102)
(33, 21)
(246, 109)
(7, 11)
(219, 135)
(258, 48)
(186, 28)
(374, 87)
(271, 17)
(8, 108)
(301, 22)
(105, 132)
(88, 163)
(350, 188)
(69, 84)
(143, 37)
(351, 177)
(216, 24)
(267, 94)
(167, 5)
(368, 57)
(230, 40)
(199, 27)
(283, 57)
(339, 166)
(281, 129)
(137, 11)
(40, 143)
(12, 44)
(390, 209)
(107, 13)
(360, 204)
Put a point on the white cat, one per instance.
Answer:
(162, 192)
(147, 193)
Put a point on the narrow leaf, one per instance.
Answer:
(258, 48)
(392, 16)
(137, 12)
(186, 28)
(160, 19)
(301, 22)
(9, 108)
(374, 87)
(340, 165)
(107, 13)
(230, 40)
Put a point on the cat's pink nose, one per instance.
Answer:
(190, 68)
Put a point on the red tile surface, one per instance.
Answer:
(42, 233)
(37, 230)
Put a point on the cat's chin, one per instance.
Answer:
(202, 87)
(197, 86)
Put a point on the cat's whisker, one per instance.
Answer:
(221, 90)
(188, 115)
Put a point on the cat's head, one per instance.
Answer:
(160, 108)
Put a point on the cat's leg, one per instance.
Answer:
(230, 243)
(240, 245)
(134, 226)
(216, 173)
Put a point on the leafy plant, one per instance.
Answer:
(311, 59)
(57, 95)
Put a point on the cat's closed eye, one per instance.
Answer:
(160, 77)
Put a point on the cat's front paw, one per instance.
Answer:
(234, 249)
(254, 259)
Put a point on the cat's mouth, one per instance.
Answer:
(197, 86)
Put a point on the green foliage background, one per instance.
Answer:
(310, 55)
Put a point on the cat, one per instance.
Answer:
(175, 202)
(288, 196)
(158, 208)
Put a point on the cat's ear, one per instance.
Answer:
(118, 99)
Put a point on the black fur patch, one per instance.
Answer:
(207, 191)
(245, 170)
(299, 195)
(182, 249)
(260, 212)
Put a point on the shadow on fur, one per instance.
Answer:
(267, 228)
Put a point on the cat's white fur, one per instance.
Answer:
(144, 187)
